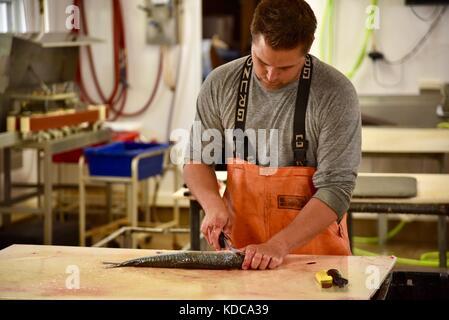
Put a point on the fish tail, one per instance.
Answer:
(112, 264)
(133, 262)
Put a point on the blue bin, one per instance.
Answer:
(114, 159)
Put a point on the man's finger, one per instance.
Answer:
(215, 234)
(249, 254)
(209, 236)
(274, 263)
(265, 262)
(205, 228)
(228, 228)
(257, 259)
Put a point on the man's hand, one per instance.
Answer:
(202, 182)
(213, 224)
(268, 255)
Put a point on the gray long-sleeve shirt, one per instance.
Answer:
(333, 125)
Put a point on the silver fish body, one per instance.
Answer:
(187, 260)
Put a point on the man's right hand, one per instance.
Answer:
(213, 224)
(202, 182)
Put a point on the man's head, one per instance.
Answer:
(282, 33)
(285, 24)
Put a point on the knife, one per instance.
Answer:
(226, 243)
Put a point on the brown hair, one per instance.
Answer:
(285, 24)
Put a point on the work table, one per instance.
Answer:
(48, 272)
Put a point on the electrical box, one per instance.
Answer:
(162, 23)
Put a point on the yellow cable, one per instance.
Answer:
(373, 240)
(323, 34)
(362, 52)
(443, 125)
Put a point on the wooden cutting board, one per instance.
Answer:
(50, 272)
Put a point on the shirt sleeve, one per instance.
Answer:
(339, 149)
(205, 144)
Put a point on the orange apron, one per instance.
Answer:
(263, 205)
(262, 202)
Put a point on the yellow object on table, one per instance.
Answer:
(323, 279)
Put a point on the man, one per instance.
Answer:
(300, 207)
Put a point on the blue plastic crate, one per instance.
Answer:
(115, 159)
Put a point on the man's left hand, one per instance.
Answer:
(268, 255)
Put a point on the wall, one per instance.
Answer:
(399, 31)
(143, 62)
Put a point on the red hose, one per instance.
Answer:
(121, 62)
(153, 93)
(117, 100)
(116, 35)
(80, 4)
(118, 113)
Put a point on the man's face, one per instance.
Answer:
(276, 68)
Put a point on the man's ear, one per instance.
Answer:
(255, 38)
(310, 46)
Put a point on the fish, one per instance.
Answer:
(221, 260)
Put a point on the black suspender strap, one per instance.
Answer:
(300, 143)
(242, 98)
(240, 114)
(242, 106)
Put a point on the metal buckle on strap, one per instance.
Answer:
(299, 141)
(301, 163)
(300, 156)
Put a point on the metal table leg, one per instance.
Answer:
(145, 199)
(176, 203)
(60, 194)
(109, 201)
(39, 176)
(442, 223)
(442, 240)
(195, 225)
(82, 203)
(129, 212)
(128, 243)
(6, 218)
(134, 208)
(48, 219)
(382, 229)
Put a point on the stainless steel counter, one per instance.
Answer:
(48, 149)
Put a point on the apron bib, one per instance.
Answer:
(262, 202)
